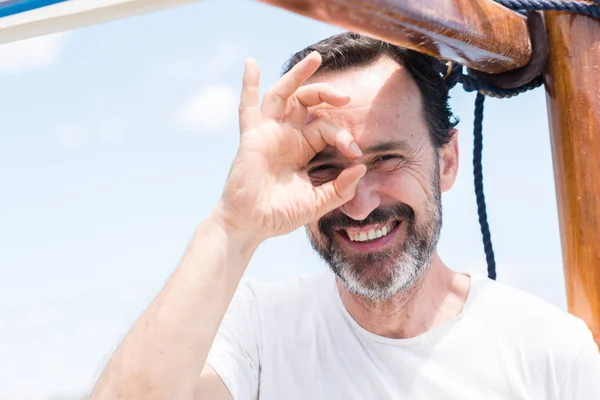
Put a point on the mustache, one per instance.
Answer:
(338, 220)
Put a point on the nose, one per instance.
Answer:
(364, 201)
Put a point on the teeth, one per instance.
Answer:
(370, 235)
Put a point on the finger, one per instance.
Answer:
(249, 110)
(317, 93)
(338, 192)
(322, 132)
(310, 96)
(275, 101)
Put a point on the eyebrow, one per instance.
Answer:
(383, 147)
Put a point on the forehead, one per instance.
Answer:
(385, 104)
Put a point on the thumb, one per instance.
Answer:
(334, 194)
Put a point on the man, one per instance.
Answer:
(356, 143)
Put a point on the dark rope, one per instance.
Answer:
(553, 5)
(478, 177)
(472, 85)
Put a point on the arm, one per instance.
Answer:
(265, 195)
(211, 386)
(164, 353)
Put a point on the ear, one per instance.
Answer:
(449, 162)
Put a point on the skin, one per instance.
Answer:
(269, 193)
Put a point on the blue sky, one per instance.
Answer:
(115, 143)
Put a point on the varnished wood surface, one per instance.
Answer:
(573, 96)
(478, 33)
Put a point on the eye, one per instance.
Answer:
(321, 168)
(323, 173)
(389, 157)
(388, 162)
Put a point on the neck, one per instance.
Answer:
(438, 296)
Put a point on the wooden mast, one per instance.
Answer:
(573, 97)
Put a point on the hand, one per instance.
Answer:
(268, 191)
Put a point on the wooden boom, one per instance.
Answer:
(477, 33)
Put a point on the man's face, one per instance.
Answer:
(381, 241)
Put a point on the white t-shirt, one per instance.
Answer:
(295, 340)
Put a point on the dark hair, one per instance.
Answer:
(349, 50)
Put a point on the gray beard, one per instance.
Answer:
(407, 266)
(380, 276)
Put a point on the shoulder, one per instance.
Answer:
(270, 310)
(289, 312)
(512, 305)
(301, 291)
(516, 308)
(528, 324)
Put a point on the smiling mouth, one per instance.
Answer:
(370, 233)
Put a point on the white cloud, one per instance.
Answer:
(212, 109)
(174, 71)
(191, 68)
(180, 68)
(75, 136)
(36, 53)
(72, 137)
(111, 131)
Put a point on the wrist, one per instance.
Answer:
(234, 229)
